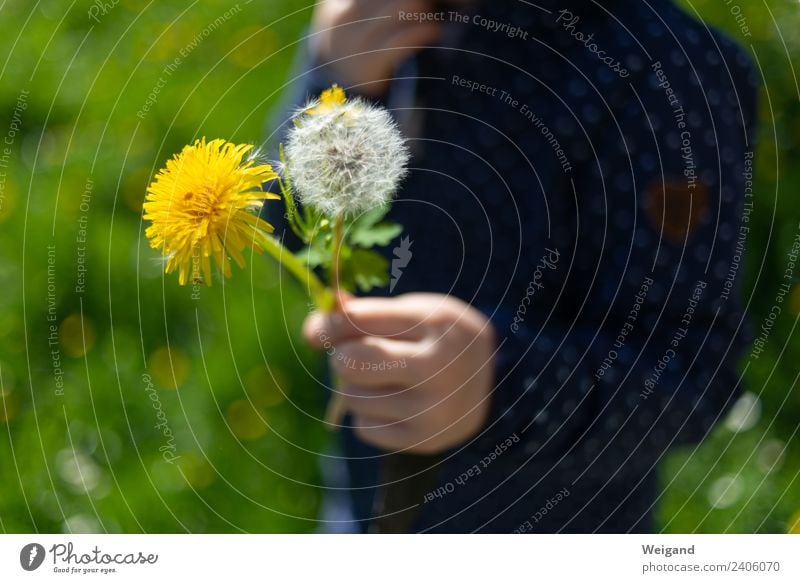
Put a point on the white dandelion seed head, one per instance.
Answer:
(346, 160)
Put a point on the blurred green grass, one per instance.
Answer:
(220, 364)
(224, 366)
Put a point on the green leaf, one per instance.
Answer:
(318, 252)
(360, 268)
(301, 228)
(369, 229)
(365, 270)
(313, 256)
(371, 217)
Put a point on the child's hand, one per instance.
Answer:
(416, 370)
(345, 28)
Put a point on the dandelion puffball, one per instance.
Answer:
(345, 156)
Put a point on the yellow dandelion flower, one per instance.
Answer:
(329, 100)
(204, 205)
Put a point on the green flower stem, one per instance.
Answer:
(336, 262)
(323, 298)
(337, 409)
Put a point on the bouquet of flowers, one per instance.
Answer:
(340, 168)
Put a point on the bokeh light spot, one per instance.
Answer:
(245, 422)
(169, 367)
(77, 335)
(266, 387)
(198, 472)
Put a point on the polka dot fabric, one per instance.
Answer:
(593, 217)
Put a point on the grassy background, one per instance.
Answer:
(223, 366)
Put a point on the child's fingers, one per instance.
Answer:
(388, 404)
(344, 297)
(376, 362)
(387, 317)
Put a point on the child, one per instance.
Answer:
(569, 306)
